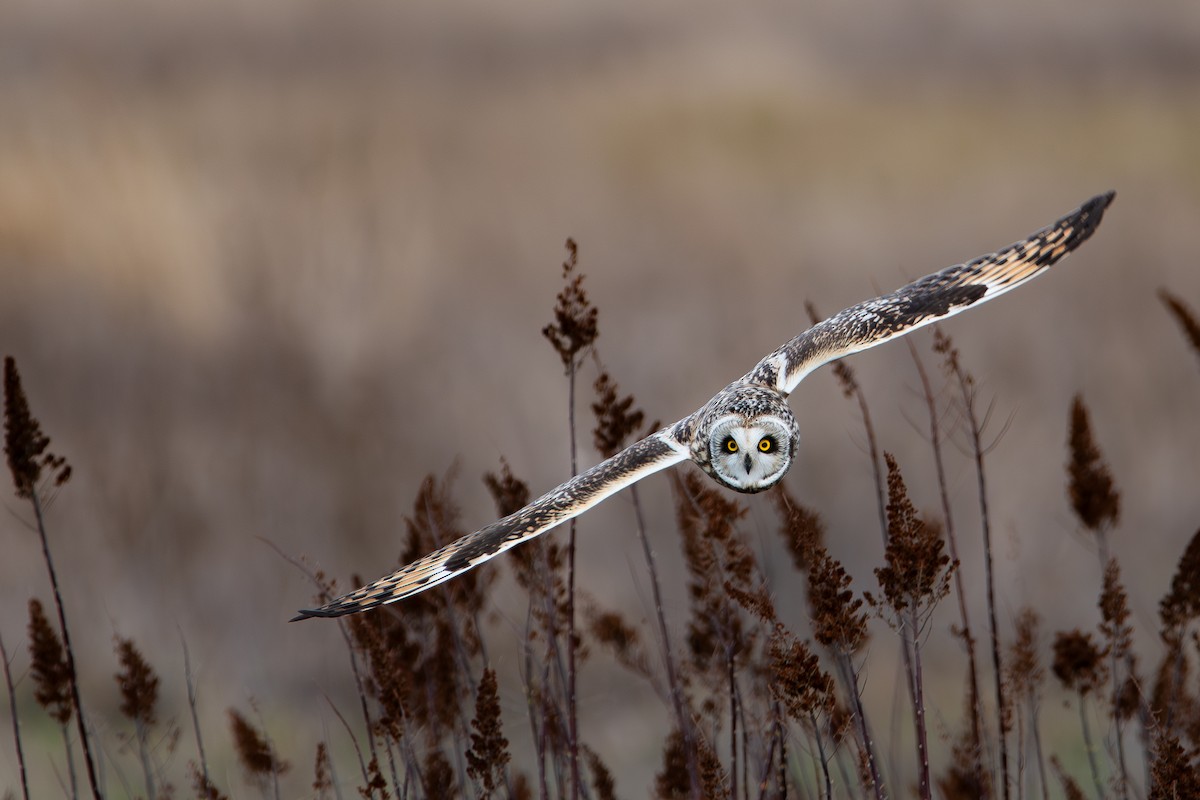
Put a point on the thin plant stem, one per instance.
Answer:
(781, 734)
(677, 704)
(745, 746)
(1123, 788)
(362, 698)
(906, 643)
(935, 443)
(850, 680)
(733, 729)
(924, 786)
(823, 758)
(1091, 748)
(65, 729)
(768, 760)
(1116, 658)
(839, 758)
(140, 733)
(16, 722)
(191, 696)
(967, 395)
(62, 623)
(873, 449)
(353, 739)
(1037, 747)
(572, 696)
(1021, 750)
(538, 742)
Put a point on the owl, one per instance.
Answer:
(746, 436)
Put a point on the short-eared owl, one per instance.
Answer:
(746, 436)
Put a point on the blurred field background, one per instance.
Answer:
(265, 266)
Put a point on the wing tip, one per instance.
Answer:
(1105, 198)
(315, 613)
(1090, 213)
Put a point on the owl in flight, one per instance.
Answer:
(745, 437)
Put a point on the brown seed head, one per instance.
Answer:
(51, 670)
(713, 554)
(1114, 612)
(675, 781)
(964, 778)
(803, 530)
(437, 776)
(1173, 775)
(509, 493)
(602, 779)
(1024, 670)
(138, 684)
(1078, 663)
(1071, 789)
(1181, 605)
(488, 753)
(758, 601)
(322, 775)
(918, 570)
(1090, 484)
(376, 788)
(616, 419)
(1184, 316)
(204, 788)
(837, 619)
(574, 329)
(253, 749)
(611, 630)
(797, 679)
(24, 443)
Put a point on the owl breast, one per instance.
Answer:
(746, 438)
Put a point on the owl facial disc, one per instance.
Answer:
(751, 454)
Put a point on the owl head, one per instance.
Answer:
(750, 440)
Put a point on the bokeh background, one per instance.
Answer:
(264, 266)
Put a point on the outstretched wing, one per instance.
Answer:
(931, 298)
(657, 451)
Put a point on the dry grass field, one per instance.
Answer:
(265, 267)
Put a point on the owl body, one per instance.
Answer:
(746, 436)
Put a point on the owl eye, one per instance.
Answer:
(766, 444)
(731, 445)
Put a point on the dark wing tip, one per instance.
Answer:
(1088, 217)
(1101, 201)
(338, 608)
(310, 613)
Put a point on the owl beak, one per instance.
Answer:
(749, 463)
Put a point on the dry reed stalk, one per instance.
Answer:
(139, 695)
(975, 702)
(967, 399)
(571, 334)
(25, 447)
(16, 720)
(258, 758)
(915, 578)
(1025, 675)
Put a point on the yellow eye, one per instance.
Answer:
(765, 444)
(731, 445)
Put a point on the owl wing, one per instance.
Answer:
(657, 451)
(927, 300)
